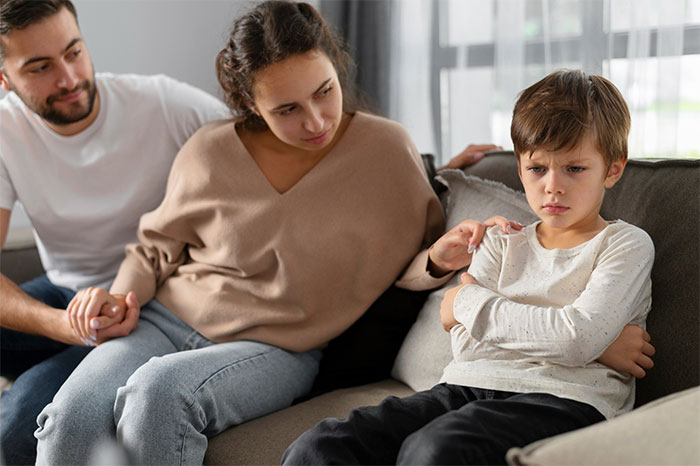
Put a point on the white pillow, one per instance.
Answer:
(426, 349)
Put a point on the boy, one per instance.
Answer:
(537, 310)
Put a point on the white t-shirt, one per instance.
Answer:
(542, 317)
(85, 193)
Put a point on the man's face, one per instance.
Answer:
(48, 66)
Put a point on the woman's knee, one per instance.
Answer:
(68, 426)
(151, 388)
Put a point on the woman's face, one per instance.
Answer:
(300, 100)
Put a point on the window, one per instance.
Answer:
(486, 51)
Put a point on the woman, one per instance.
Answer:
(278, 230)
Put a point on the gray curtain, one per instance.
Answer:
(366, 27)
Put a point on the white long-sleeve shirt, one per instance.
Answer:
(541, 317)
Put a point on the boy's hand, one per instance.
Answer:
(453, 250)
(631, 352)
(447, 315)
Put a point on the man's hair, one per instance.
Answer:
(557, 112)
(19, 14)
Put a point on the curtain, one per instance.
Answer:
(457, 66)
(366, 27)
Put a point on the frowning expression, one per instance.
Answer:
(565, 188)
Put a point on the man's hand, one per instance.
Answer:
(631, 352)
(94, 308)
(469, 156)
(453, 250)
(125, 326)
(447, 315)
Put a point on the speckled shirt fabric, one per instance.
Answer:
(541, 317)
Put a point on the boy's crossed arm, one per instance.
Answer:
(571, 335)
(631, 351)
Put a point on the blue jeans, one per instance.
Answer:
(41, 365)
(164, 389)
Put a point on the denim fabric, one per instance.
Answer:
(448, 424)
(164, 389)
(41, 365)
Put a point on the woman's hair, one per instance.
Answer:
(272, 32)
(558, 111)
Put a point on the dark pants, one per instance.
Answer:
(41, 365)
(448, 424)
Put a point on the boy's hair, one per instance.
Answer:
(19, 14)
(558, 111)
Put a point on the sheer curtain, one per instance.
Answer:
(457, 66)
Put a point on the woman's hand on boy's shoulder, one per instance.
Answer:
(454, 249)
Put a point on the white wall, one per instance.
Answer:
(177, 37)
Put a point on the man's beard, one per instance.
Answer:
(75, 113)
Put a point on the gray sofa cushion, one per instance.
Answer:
(21, 264)
(263, 440)
(661, 197)
(664, 432)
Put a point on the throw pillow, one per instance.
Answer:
(365, 352)
(662, 432)
(426, 349)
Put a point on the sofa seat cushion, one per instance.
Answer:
(664, 432)
(263, 440)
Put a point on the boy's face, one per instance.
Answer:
(565, 188)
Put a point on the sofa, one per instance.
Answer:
(398, 346)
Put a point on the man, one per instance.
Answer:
(75, 148)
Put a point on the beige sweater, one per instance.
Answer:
(235, 259)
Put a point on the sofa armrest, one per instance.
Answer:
(664, 432)
(20, 259)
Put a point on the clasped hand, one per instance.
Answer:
(95, 315)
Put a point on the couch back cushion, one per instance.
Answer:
(662, 198)
(426, 349)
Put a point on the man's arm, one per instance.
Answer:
(470, 155)
(22, 313)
